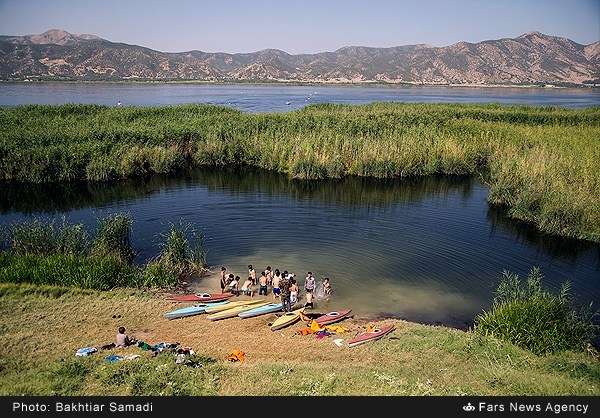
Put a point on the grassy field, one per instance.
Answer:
(543, 164)
(43, 326)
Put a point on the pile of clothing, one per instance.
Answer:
(236, 355)
(157, 348)
(322, 331)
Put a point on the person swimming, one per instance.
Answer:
(327, 287)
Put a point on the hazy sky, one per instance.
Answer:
(301, 26)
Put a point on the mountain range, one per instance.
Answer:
(532, 58)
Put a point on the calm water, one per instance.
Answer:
(428, 250)
(268, 98)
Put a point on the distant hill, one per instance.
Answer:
(532, 58)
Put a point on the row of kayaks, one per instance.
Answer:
(218, 307)
(252, 308)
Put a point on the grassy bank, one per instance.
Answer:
(54, 253)
(43, 326)
(543, 164)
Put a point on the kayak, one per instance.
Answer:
(230, 313)
(286, 319)
(191, 310)
(261, 310)
(332, 317)
(218, 308)
(375, 334)
(202, 297)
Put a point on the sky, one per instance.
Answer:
(301, 26)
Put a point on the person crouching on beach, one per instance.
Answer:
(263, 284)
(247, 287)
(276, 280)
(233, 285)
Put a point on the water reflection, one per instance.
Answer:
(428, 249)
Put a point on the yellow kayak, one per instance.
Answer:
(234, 311)
(286, 319)
(229, 305)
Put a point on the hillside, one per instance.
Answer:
(530, 58)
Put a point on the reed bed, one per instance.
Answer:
(530, 317)
(541, 163)
(51, 253)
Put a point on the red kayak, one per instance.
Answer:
(375, 334)
(332, 317)
(202, 297)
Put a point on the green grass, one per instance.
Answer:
(43, 326)
(528, 316)
(44, 253)
(68, 270)
(543, 164)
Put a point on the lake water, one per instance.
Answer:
(278, 98)
(428, 250)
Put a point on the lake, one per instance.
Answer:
(279, 98)
(428, 250)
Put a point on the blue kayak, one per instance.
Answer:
(261, 310)
(191, 310)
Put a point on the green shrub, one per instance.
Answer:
(45, 253)
(113, 238)
(40, 237)
(182, 253)
(530, 317)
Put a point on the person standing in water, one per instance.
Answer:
(262, 290)
(309, 283)
(223, 274)
(293, 292)
(252, 273)
(284, 286)
(276, 280)
(326, 286)
(309, 300)
(269, 273)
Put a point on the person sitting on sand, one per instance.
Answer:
(247, 287)
(123, 339)
(252, 273)
(263, 284)
(293, 292)
(326, 286)
(223, 279)
(233, 285)
(276, 279)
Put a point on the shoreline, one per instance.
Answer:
(210, 284)
(296, 83)
(44, 326)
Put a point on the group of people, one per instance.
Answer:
(283, 286)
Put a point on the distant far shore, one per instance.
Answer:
(328, 83)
